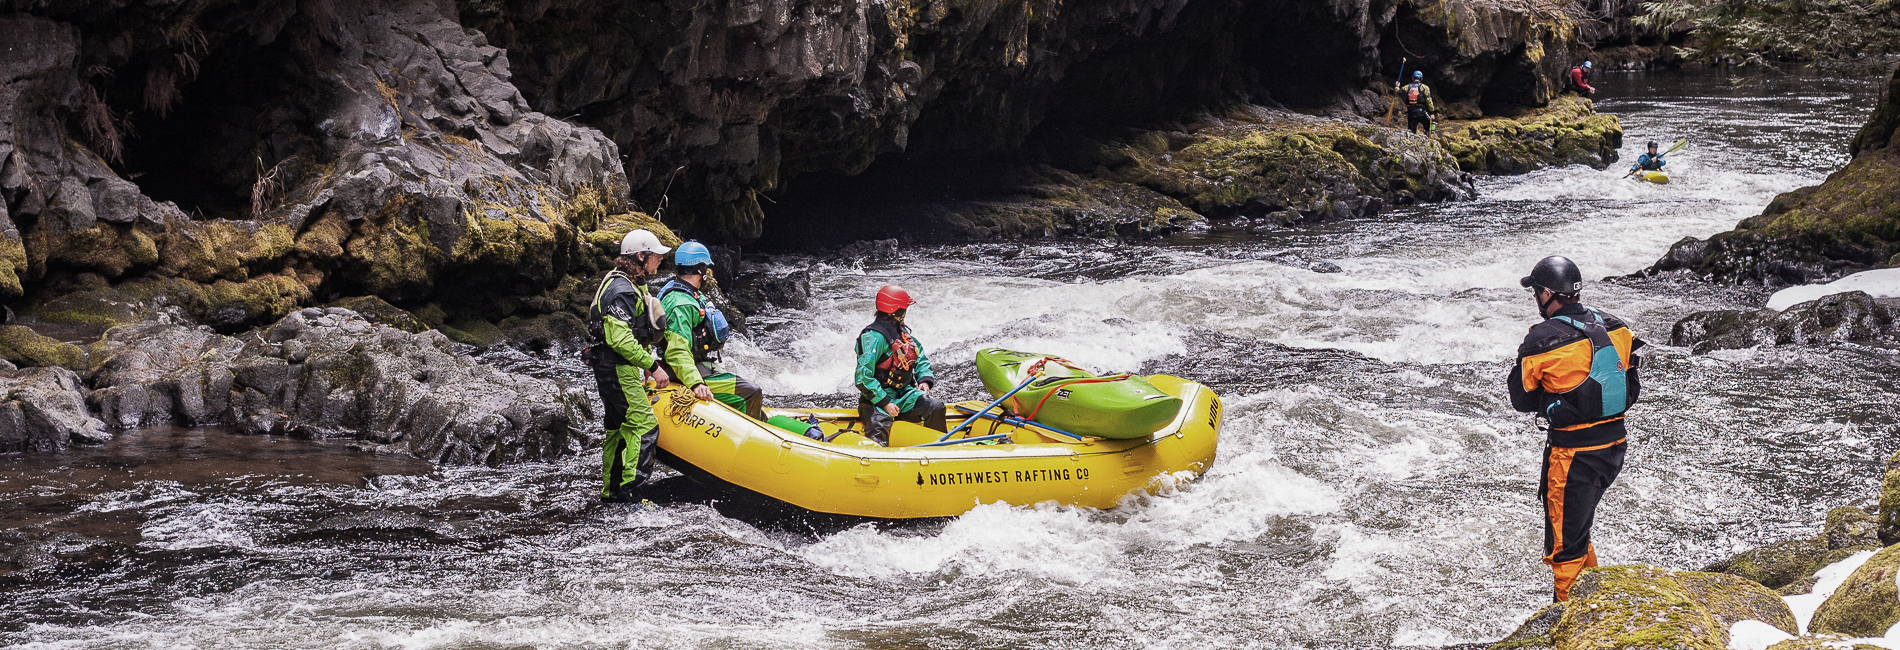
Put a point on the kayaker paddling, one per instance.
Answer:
(1576, 369)
(893, 377)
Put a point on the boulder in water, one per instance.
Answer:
(1844, 317)
(1867, 603)
(44, 409)
(1789, 566)
(1638, 606)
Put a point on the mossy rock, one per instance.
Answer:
(1567, 132)
(379, 311)
(1851, 527)
(25, 348)
(543, 331)
(1534, 634)
(606, 239)
(1821, 643)
(1777, 565)
(1644, 607)
(12, 266)
(1888, 518)
(1867, 603)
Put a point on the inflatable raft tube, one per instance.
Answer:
(915, 477)
(1075, 400)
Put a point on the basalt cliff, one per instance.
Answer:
(469, 166)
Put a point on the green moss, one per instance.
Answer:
(1568, 131)
(1867, 604)
(376, 310)
(1731, 599)
(262, 299)
(395, 251)
(1777, 565)
(26, 348)
(204, 252)
(1642, 607)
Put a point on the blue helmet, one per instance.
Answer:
(1418, 74)
(1586, 64)
(692, 253)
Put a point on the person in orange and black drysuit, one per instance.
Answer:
(1576, 369)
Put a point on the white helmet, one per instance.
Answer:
(641, 241)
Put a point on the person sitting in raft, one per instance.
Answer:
(893, 378)
(1649, 162)
(1580, 80)
(693, 323)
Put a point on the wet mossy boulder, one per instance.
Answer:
(1867, 603)
(1851, 316)
(1644, 607)
(380, 312)
(1789, 566)
(44, 409)
(26, 348)
(1887, 517)
(1567, 132)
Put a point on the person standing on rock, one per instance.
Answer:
(701, 328)
(624, 324)
(1419, 109)
(1576, 369)
(894, 378)
(1580, 80)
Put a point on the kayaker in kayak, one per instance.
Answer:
(1577, 369)
(624, 323)
(894, 378)
(695, 324)
(1649, 162)
(1419, 109)
(1580, 80)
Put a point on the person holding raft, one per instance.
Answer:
(1577, 369)
(624, 324)
(701, 328)
(893, 377)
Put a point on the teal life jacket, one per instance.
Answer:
(710, 334)
(1605, 394)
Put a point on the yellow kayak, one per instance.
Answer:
(1022, 463)
(1657, 177)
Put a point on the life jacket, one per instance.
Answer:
(1414, 94)
(710, 334)
(632, 305)
(1649, 163)
(1605, 393)
(898, 368)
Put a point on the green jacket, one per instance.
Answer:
(872, 348)
(617, 305)
(684, 311)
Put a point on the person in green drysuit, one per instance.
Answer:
(894, 379)
(701, 328)
(624, 324)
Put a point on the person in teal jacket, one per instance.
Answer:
(894, 378)
(701, 328)
(624, 324)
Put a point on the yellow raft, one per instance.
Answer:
(851, 475)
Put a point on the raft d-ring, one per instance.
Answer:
(864, 461)
(785, 444)
(1075, 458)
(924, 461)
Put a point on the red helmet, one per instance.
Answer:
(892, 298)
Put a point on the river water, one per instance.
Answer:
(1373, 487)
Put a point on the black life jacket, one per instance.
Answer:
(1416, 94)
(1649, 163)
(630, 304)
(1605, 394)
(708, 335)
(898, 368)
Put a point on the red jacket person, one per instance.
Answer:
(1576, 369)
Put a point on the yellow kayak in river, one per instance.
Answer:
(916, 477)
(1657, 177)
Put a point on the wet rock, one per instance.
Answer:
(1638, 606)
(379, 311)
(1776, 565)
(882, 250)
(1534, 634)
(1567, 132)
(1848, 224)
(44, 409)
(1867, 603)
(26, 348)
(1887, 517)
(1853, 316)
(328, 373)
(755, 292)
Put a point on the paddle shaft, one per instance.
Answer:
(1012, 393)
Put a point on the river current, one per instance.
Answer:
(1373, 487)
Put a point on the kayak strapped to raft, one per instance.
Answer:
(1053, 391)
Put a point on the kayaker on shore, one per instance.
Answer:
(1577, 369)
(624, 323)
(1649, 162)
(893, 377)
(1580, 80)
(1419, 109)
(701, 328)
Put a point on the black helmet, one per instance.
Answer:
(1652, 144)
(1556, 273)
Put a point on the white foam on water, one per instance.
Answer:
(1880, 283)
(207, 525)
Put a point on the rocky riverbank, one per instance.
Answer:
(1828, 590)
(1849, 223)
